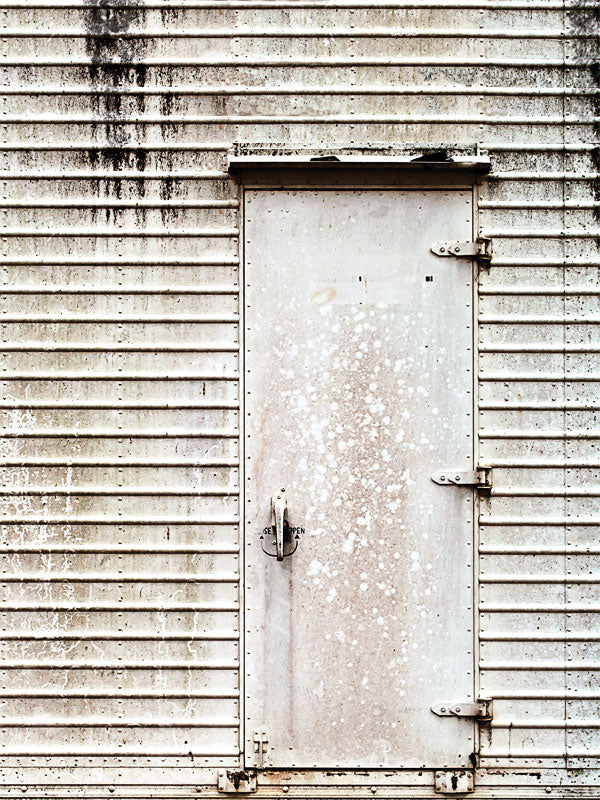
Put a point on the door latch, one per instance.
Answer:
(260, 741)
(278, 520)
(480, 478)
(283, 534)
(480, 250)
(481, 709)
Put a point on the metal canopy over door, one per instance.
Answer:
(358, 388)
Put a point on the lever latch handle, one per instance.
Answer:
(278, 520)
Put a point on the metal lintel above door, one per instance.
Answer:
(477, 163)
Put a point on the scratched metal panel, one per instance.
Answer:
(365, 626)
(115, 126)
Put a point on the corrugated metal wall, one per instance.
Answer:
(120, 350)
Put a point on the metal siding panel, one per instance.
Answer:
(138, 147)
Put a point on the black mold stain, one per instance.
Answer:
(115, 66)
(586, 20)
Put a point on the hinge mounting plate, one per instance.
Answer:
(230, 781)
(480, 478)
(481, 709)
(480, 250)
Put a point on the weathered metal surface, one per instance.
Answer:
(116, 125)
(366, 385)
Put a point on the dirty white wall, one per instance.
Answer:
(120, 354)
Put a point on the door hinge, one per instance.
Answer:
(480, 250)
(232, 781)
(481, 709)
(455, 782)
(480, 478)
(260, 741)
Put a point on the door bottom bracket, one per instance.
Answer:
(454, 782)
(231, 781)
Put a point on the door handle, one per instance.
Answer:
(278, 519)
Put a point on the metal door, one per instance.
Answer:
(359, 386)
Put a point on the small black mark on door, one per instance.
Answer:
(428, 278)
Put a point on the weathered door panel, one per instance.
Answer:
(358, 387)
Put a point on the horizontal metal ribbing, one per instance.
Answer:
(74, 233)
(244, 31)
(539, 348)
(176, 146)
(536, 636)
(118, 491)
(540, 261)
(49, 519)
(40, 461)
(550, 724)
(527, 549)
(175, 289)
(541, 291)
(45, 90)
(125, 577)
(115, 755)
(266, 119)
(536, 147)
(542, 233)
(117, 376)
(116, 261)
(118, 318)
(512, 5)
(545, 463)
(542, 666)
(119, 665)
(146, 549)
(119, 607)
(552, 377)
(124, 636)
(128, 147)
(310, 62)
(116, 348)
(90, 175)
(531, 578)
(121, 694)
(121, 405)
(527, 491)
(538, 608)
(535, 755)
(545, 694)
(111, 722)
(76, 202)
(548, 521)
(535, 434)
(530, 175)
(494, 405)
(526, 204)
(120, 433)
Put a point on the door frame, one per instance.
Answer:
(299, 177)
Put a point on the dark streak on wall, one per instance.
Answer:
(586, 20)
(116, 64)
